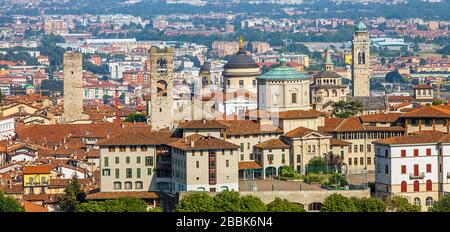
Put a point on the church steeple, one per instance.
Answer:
(328, 63)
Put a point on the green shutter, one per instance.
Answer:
(117, 160)
(128, 159)
(138, 159)
(242, 147)
(117, 173)
(149, 171)
(138, 174)
(106, 162)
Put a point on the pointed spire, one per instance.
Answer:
(328, 62)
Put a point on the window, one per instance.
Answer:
(116, 160)
(143, 148)
(361, 148)
(283, 158)
(228, 83)
(227, 163)
(129, 173)
(122, 148)
(111, 149)
(361, 161)
(241, 84)
(355, 148)
(138, 185)
(416, 186)
(416, 152)
(117, 185)
(254, 82)
(149, 171)
(148, 161)
(403, 169)
(350, 149)
(369, 148)
(133, 148)
(403, 187)
(416, 169)
(138, 173)
(403, 153)
(429, 185)
(138, 160)
(106, 162)
(117, 173)
(128, 185)
(127, 159)
(197, 164)
(428, 151)
(298, 158)
(428, 168)
(248, 146)
(378, 168)
(416, 201)
(429, 201)
(294, 98)
(369, 160)
(386, 169)
(242, 157)
(242, 147)
(355, 160)
(386, 153)
(350, 161)
(106, 172)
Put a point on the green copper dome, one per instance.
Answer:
(361, 27)
(283, 72)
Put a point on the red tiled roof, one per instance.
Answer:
(300, 132)
(423, 86)
(201, 142)
(33, 208)
(248, 127)
(128, 138)
(245, 165)
(202, 124)
(273, 144)
(338, 142)
(38, 169)
(417, 138)
(116, 195)
(441, 111)
(386, 118)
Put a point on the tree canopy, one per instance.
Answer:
(338, 203)
(443, 205)
(9, 204)
(73, 195)
(400, 204)
(125, 204)
(342, 109)
(283, 205)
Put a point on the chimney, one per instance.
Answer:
(192, 143)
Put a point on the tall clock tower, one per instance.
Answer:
(161, 74)
(360, 61)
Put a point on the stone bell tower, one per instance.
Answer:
(360, 61)
(161, 75)
(73, 87)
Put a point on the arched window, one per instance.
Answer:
(416, 201)
(416, 186)
(138, 185)
(327, 94)
(201, 189)
(161, 88)
(335, 93)
(429, 185)
(316, 206)
(117, 185)
(309, 148)
(314, 148)
(404, 187)
(294, 98)
(298, 159)
(128, 185)
(429, 201)
(361, 57)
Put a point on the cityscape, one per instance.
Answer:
(224, 106)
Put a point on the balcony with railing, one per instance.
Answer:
(414, 176)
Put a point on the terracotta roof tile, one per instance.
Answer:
(116, 195)
(441, 111)
(300, 132)
(387, 118)
(201, 142)
(417, 138)
(423, 86)
(273, 144)
(33, 208)
(248, 127)
(36, 169)
(338, 142)
(244, 165)
(202, 124)
(128, 138)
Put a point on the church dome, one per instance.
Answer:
(240, 61)
(361, 27)
(206, 67)
(283, 72)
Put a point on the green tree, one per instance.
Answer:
(196, 202)
(251, 204)
(316, 165)
(400, 204)
(443, 205)
(73, 195)
(90, 206)
(9, 204)
(368, 204)
(338, 203)
(135, 118)
(342, 109)
(394, 77)
(283, 205)
(227, 201)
